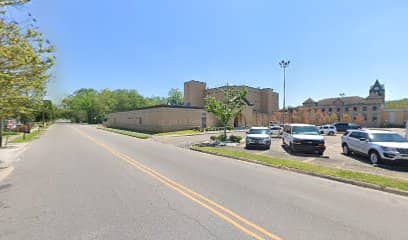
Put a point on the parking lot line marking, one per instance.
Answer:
(309, 160)
(190, 194)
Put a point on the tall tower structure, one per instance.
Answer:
(194, 93)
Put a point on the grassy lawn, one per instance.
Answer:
(179, 133)
(126, 132)
(377, 180)
(10, 133)
(28, 137)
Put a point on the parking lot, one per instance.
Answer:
(333, 156)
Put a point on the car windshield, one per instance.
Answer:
(258, 131)
(386, 137)
(305, 130)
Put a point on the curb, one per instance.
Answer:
(125, 134)
(348, 181)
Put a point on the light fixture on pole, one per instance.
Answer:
(284, 64)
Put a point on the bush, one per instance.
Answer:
(235, 139)
(221, 138)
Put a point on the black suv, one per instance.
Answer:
(342, 127)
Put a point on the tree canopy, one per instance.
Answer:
(26, 58)
(92, 106)
(227, 108)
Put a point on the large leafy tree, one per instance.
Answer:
(175, 97)
(90, 105)
(227, 108)
(25, 60)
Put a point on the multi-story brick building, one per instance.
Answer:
(370, 108)
(262, 103)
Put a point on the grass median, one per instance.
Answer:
(377, 180)
(180, 133)
(126, 132)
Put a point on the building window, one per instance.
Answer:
(346, 109)
(374, 108)
(374, 118)
(355, 109)
(365, 116)
(338, 109)
(323, 109)
(364, 108)
(330, 109)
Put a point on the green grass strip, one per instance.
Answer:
(125, 132)
(180, 133)
(378, 180)
(28, 137)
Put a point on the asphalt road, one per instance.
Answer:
(77, 182)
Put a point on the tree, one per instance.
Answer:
(346, 118)
(25, 60)
(175, 97)
(227, 108)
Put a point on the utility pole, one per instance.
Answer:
(284, 64)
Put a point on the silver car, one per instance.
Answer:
(378, 145)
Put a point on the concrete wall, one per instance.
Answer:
(161, 119)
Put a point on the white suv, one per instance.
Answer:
(378, 145)
(303, 138)
(328, 130)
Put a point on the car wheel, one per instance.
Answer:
(320, 153)
(331, 133)
(346, 150)
(374, 157)
(291, 149)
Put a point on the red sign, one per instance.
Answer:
(10, 124)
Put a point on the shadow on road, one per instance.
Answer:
(393, 166)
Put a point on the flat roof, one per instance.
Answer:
(160, 106)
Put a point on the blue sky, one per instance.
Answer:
(152, 46)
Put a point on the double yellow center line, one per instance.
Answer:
(224, 213)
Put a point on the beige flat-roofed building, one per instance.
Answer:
(261, 104)
(162, 118)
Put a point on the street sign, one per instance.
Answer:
(11, 124)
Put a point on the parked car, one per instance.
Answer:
(276, 130)
(328, 129)
(303, 138)
(258, 137)
(342, 127)
(377, 145)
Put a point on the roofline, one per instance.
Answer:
(160, 106)
(242, 86)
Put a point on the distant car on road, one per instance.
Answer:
(276, 130)
(328, 129)
(342, 127)
(258, 137)
(304, 138)
(378, 145)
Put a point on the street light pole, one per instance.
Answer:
(284, 64)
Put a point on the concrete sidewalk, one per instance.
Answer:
(8, 155)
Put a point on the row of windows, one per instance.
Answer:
(355, 109)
